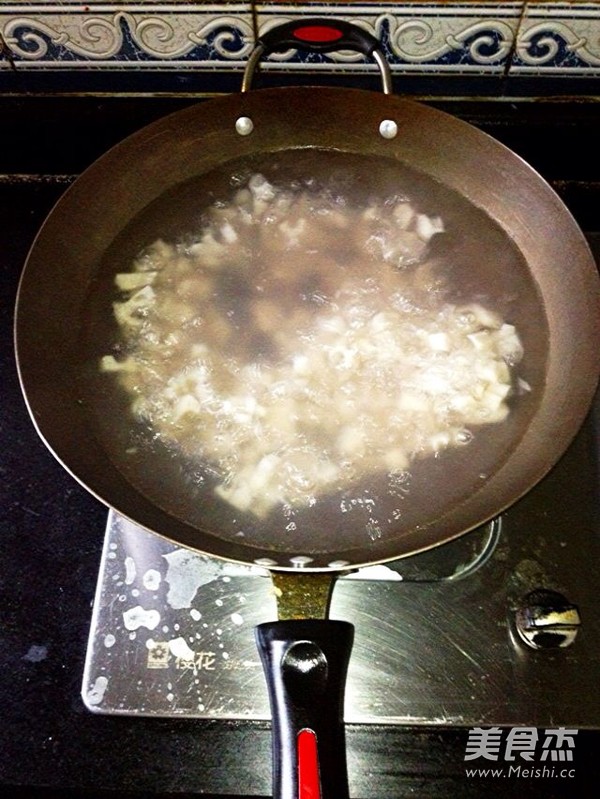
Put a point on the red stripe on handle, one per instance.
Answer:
(317, 33)
(309, 784)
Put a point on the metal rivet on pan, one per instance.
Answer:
(265, 562)
(244, 126)
(388, 129)
(299, 561)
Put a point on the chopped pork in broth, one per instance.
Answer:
(296, 371)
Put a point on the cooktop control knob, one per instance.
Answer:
(547, 620)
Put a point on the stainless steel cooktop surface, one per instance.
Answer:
(500, 627)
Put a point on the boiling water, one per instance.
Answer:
(472, 261)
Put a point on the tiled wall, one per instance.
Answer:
(58, 40)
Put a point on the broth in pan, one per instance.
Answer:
(312, 341)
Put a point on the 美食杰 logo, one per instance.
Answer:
(520, 752)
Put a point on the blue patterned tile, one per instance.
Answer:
(126, 36)
(558, 39)
(417, 37)
(147, 40)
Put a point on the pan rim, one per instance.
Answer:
(580, 246)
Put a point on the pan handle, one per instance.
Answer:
(318, 35)
(305, 663)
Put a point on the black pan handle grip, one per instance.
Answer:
(305, 663)
(318, 35)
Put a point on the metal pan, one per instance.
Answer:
(507, 217)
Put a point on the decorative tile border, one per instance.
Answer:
(558, 39)
(142, 35)
(418, 38)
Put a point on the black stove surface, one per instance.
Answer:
(53, 531)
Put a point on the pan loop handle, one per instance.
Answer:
(318, 35)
